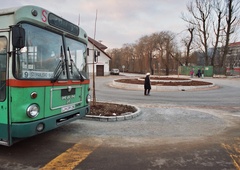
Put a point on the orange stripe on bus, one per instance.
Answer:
(37, 83)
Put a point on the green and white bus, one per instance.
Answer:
(44, 81)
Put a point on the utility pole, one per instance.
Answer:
(94, 95)
(79, 20)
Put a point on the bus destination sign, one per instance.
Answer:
(58, 22)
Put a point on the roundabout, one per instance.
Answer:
(103, 111)
(176, 125)
(159, 83)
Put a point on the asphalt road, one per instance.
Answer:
(176, 130)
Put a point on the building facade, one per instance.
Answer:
(100, 66)
(233, 59)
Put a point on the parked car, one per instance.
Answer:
(114, 71)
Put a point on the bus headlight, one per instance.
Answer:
(88, 98)
(33, 110)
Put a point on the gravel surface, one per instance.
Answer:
(170, 116)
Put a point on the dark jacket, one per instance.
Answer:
(147, 83)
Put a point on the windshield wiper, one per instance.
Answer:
(59, 69)
(82, 78)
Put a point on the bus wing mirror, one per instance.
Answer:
(18, 37)
(87, 51)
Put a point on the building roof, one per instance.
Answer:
(99, 46)
(234, 44)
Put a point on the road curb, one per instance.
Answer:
(128, 86)
(125, 116)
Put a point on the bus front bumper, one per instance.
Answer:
(28, 129)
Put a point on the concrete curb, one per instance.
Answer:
(125, 116)
(153, 80)
(158, 88)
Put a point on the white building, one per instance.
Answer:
(101, 66)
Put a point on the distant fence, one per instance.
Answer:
(233, 72)
(219, 70)
(208, 70)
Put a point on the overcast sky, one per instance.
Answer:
(118, 21)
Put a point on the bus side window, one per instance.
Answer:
(3, 63)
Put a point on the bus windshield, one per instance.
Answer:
(75, 54)
(43, 54)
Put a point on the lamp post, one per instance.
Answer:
(94, 94)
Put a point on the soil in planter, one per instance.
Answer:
(110, 109)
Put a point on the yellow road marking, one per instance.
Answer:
(234, 152)
(71, 158)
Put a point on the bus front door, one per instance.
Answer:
(4, 114)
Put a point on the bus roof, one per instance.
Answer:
(31, 13)
(8, 11)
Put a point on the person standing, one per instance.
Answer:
(147, 85)
(199, 73)
(192, 72)
(202, 72)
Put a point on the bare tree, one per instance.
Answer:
(232, 12)
(148, 53)
(199, 18)
(116, 58)
(217, 27)
(188, 43)
(142, 52)
(128, 56)
(164, 43)
(204, 12)
(151, 49)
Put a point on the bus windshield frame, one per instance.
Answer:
(45, 56)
